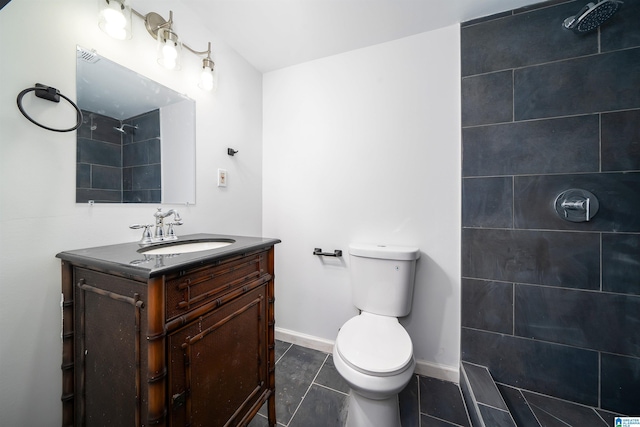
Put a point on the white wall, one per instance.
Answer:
(38, 213)
(365, 147)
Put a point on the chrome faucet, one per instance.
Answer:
(159, 234)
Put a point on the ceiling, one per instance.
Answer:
(273, 34)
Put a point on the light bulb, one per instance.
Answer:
(169, 55)
(169, 51)
(169, 48)
(206, 79)
(115, 19)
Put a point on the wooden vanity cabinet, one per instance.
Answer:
(193, 347)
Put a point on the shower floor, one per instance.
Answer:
(500, 405)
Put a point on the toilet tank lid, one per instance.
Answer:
(405, 253)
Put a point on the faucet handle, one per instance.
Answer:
(171, 234)
(146, 233)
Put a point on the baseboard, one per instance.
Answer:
(424, 368)
(436, 370)
(304, 340)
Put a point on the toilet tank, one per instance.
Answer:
(382, 278)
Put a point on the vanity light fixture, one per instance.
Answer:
(115, 20)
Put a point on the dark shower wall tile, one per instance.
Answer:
(617, 195)
(621, 140)
(579, 318)
(103, 196)
(83, 175)
(523, 39)
(97, 152)
(141, 153)
(564, 259)
(148, 126)
(622, 30)
(102, 129)
(621, 384)
(563, 145)
(142, 196)
(488, 98)
(127, 179)
(621, 263)
(106, 178)
(487, 305)
(566, 372)
(487, 202)
(84, 131)
(146, 177)
(579, 86)
(538, 6)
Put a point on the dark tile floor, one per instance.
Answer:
(311, 393)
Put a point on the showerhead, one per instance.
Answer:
(592, 16)
(121, 128)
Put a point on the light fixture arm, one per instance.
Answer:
(200, 52)
(153, 22)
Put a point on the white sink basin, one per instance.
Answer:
(187, 247)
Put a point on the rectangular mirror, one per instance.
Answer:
(136, 143)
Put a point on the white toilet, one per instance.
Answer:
(373, 352)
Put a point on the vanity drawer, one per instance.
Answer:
(188, 291)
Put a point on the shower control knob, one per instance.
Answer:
(576, 205)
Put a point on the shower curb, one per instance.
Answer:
(484, 401)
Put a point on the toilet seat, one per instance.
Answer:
(375, 345)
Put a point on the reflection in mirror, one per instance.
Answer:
(137, 140)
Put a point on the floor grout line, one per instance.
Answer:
(308, 388)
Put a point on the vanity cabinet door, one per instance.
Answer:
(218, 363)
(109, 350)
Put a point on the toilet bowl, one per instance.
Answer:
(374, 355)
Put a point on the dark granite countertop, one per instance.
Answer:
(128, 259)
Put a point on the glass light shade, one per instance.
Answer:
(115, 18)
(208, 78)
(169, 49)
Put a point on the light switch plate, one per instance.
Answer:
(222, 177)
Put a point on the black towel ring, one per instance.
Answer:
(51, 94)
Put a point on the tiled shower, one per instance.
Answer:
(119, 167)
(549, 305)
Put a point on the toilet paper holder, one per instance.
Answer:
(336, 252)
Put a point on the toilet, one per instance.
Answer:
(373, 352)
